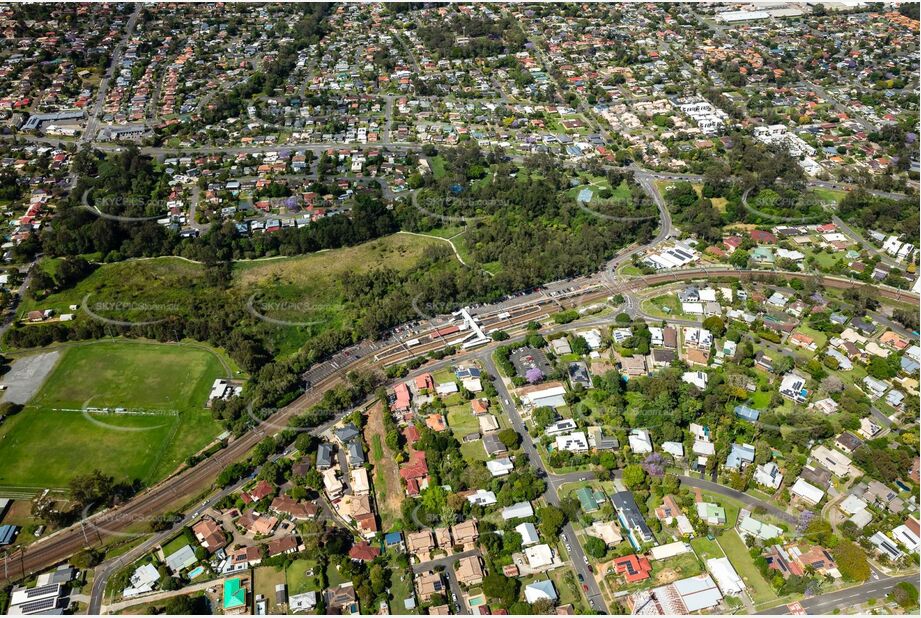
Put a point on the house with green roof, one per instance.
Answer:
(234, 594)
(712, 514)
(590, 500)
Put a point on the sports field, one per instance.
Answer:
(130, 375)
(162, 387)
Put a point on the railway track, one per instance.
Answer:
(155, 500)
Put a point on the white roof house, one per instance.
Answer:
(885, 546)
(702, 447)
(809, 493)
(695, 378)
(528, 534)
(726, 577)
(482, 497)
(518, 511)
(908, 539)
(551, 397)
(142, 580)
(447, 388)
(852, 505)
(768, 475)
(837, 462)
(669, 550)
(758, 529)
(560, 427)
(540, 591)
(500, 467)
(640, 442)
(675, 449)
(539, 556)
(576, 442)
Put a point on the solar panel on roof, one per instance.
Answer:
(34, 607)
(40, 591)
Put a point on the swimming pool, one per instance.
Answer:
(196, 572)
(476, 601)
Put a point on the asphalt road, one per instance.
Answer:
(92, 123)
(64, 543)
(576, 553)
(849, 597)
(447, 563)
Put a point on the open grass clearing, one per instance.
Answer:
(163, 389)
(302, 576)
(738, 555)
(385, 473)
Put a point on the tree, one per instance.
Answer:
(93, 488)
(783, 363)
(715, 325)
(87, 558)
(510, 438)
(852, 561)
(186, 605)
(551, 520)
(498, 586)
(905, 594)
(543, 416)
(595, 547)
(739, 258)
(634, 476)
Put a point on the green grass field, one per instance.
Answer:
(169, 383)
(297, 578)
(307, 289)
(131, 375)
(738, 555)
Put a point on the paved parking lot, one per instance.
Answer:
(27, 375)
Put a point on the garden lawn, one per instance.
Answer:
(462, 421)
(264, 581)
(738, 555)
(297, 578)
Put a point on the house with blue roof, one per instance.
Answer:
(740, 456)
(540, 590)
(394, 540)
(7, 534)
(749, 414)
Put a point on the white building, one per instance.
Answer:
(576, 442)
(640, 442)
(768, 475)
(808, 493)
(726, 577)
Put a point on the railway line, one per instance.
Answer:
(367, 355)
